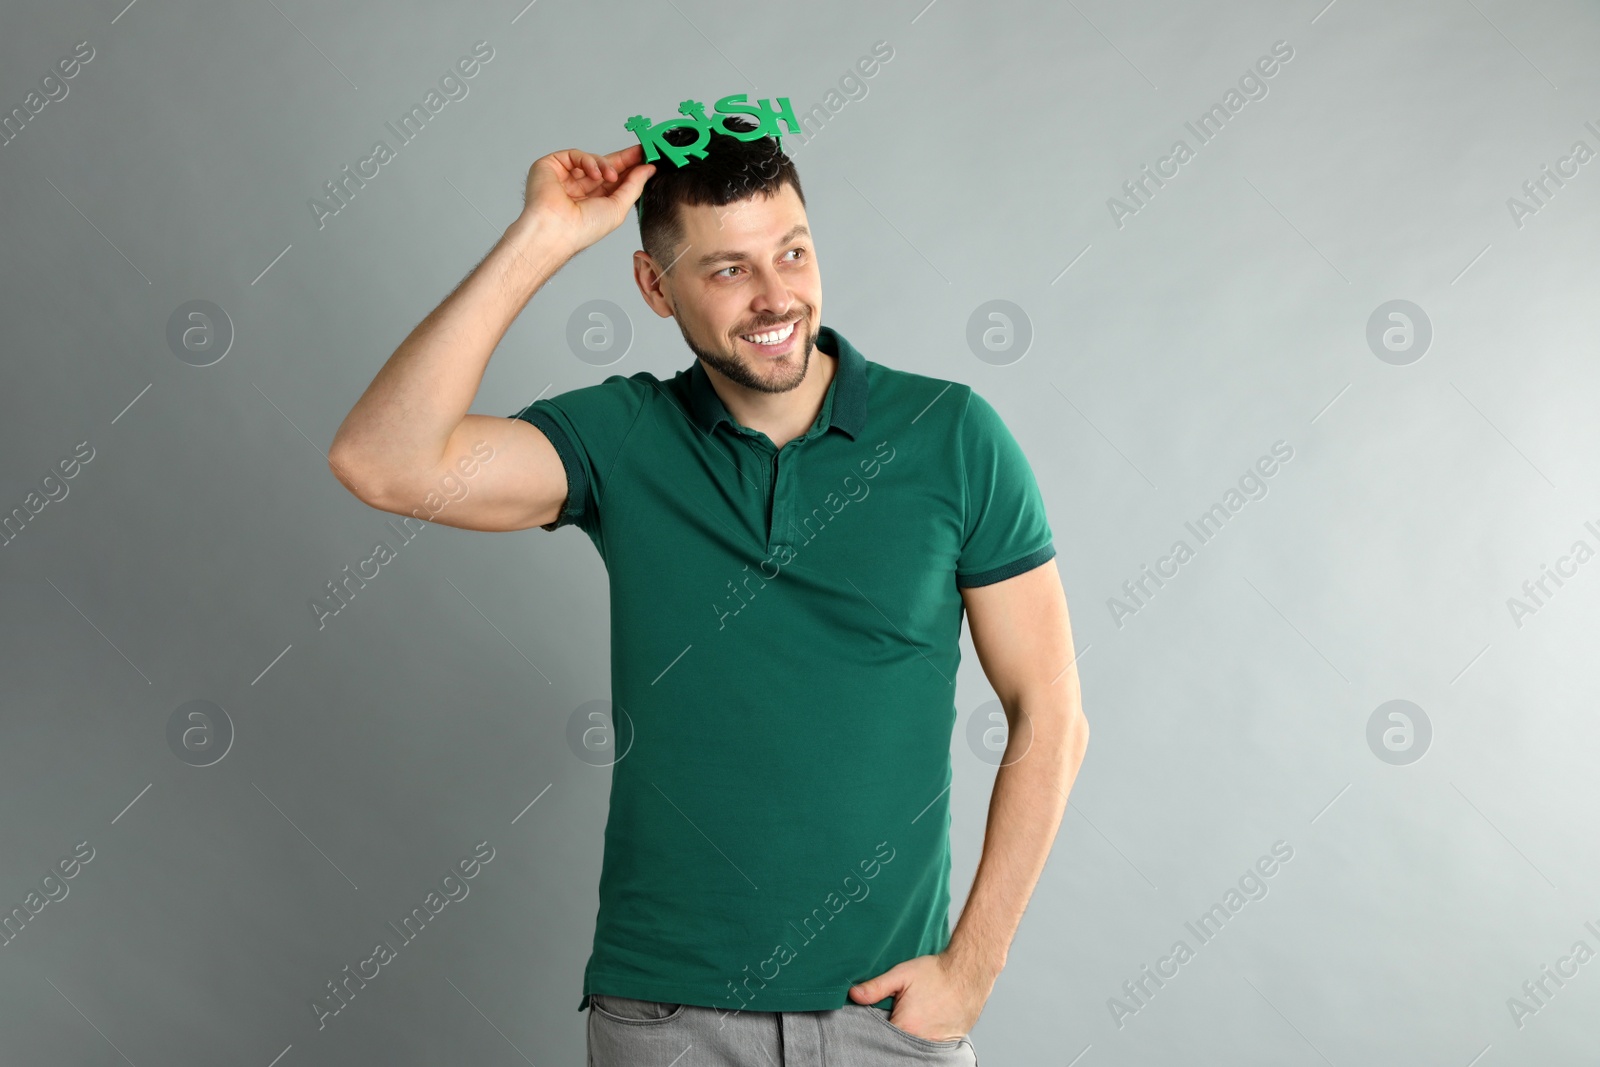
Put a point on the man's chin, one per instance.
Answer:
(778, 374)
(770, 376)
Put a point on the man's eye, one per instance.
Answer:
(799, 253)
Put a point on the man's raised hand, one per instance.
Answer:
(578, 197)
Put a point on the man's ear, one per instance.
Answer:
(653, 285)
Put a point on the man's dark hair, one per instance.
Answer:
(732, 170)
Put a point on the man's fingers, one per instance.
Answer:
(629, 188)
(592, 173)
(608, 167)
(599, 168)
(626, 157)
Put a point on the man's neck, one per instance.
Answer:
(781, 416)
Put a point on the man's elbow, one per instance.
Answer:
(359, 479)
(1074, 731)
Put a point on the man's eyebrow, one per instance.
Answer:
(732, 256)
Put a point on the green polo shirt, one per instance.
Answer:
(785, 627)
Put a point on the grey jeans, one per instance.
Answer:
(624, 1032)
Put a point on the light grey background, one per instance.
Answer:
(1230, 312)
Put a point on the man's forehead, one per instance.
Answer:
(742, 231)
(761, 218)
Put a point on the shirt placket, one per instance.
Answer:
(786, 472)
(765, 467)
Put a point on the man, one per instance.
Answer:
(792, 534)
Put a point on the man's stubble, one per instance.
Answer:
(739, 372)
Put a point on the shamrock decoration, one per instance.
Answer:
(765, 114)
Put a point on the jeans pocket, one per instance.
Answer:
(919, 1042)
(632, 1011)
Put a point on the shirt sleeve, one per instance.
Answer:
(1005, 529)
(588, 427)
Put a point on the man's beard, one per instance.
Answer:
(739, 372)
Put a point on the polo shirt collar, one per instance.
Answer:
(848, 390)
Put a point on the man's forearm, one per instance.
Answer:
(1025, 810)
(404, 419)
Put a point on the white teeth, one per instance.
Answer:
(772, 337)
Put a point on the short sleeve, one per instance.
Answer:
(588, 427)
(1005, 529)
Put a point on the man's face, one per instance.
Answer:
(744, 270)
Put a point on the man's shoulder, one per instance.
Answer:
(639, 383)
(603, 410)
(928, 402)
(628, 390)
(928, 397)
